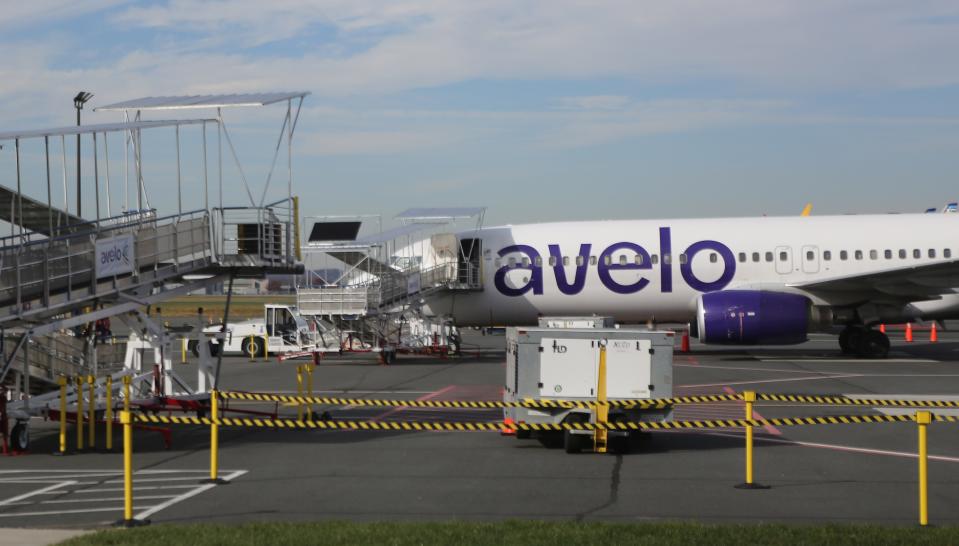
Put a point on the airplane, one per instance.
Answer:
(735, 281)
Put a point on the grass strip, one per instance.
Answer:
(527, 533)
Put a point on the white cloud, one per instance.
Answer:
(594, 102)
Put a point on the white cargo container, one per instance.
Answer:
(563, 364)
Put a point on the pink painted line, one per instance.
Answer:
(809, 378)
(429, 396)
(850, 449)
(769, 428)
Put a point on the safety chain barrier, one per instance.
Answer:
(658, 403)
(495, 426)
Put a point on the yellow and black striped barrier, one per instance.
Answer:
(496, 426)
(846, 401)
(476, 404)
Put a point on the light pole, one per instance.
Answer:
(78, 102)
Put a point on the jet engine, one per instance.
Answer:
(753, 317)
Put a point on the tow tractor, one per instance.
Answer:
(281, 330)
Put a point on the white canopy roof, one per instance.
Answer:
(202, 101)
(97, 128)
(441, 213)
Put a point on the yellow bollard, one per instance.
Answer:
(108, 415)
(126, 393)
(251, 349)
(126, 419)
(62, 381)
(79, 384)
(92, 422)
(923, 419)
(601, 435)
(183, 351)
(266, 348)
(299, 393)
(214, 440)
(750, 398)
(309, 390)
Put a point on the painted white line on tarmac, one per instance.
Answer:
(60, 512)
(787, 380)
(139, 488)
(851, 360)
(114, 499)
(851, 449)
(57, 485)
(154, 509)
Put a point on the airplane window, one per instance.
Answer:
(592, 260)
(565, 260)
(512, 261)
(946, 253)
(622, 259)
(769, 256)
(902, 254)
(932, 253)
(607, 259)
(639, 259)
(873, 255)
(580, 260)
(742, 257)
(810, 256)
(525, 262)
(755, 256)
(826, 255)
(916, 253)
(654, 259)
(888, 254)
(843, 255)
(858, 254)
(552, 261)
(667, 258)
(538, 261)
(683, 258)
(713, 257)
(783, 256)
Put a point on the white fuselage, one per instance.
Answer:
(637, 270)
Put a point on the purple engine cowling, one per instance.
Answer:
(752, 317)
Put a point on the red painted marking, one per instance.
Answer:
(769, 428)
(429, 396)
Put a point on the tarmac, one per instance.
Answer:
(816, 474)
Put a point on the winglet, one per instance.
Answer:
(807, 209)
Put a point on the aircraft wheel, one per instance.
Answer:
(20, 437)
(873, 344)
(850, 340)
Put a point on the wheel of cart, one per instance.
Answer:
(20, 437)
(619, 443)
(252, 347)
(194, 347)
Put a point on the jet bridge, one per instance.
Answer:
(374, 287)
(60, 272)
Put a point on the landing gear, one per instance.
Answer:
(864, 342)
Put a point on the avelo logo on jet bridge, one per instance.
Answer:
(604, 269)
(114, 255)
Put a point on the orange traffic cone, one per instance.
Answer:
(909, 331)
(933, 334)
(882, 328)
(508, 429)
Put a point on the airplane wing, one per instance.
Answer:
(911, 283)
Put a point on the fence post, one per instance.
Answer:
(62, 381)
(183, 343)
(923, 419)
(108, 415)
(215, 440)
(309, 389)
(92, 424)
(299, 393)
(750, 398)
(79, 387)
(601, 435)
(126, 393)
(126, 419)
(266, 348)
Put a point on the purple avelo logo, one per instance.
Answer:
(575, 285)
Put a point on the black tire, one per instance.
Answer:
(214, 349)
(20, 437)
(844, 342)
(619, 445)
(252, 347)
(873, 344)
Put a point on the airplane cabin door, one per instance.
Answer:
(810, 259)
(784, 260)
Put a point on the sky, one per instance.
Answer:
(540, 111)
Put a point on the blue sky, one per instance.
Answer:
(539, 110)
